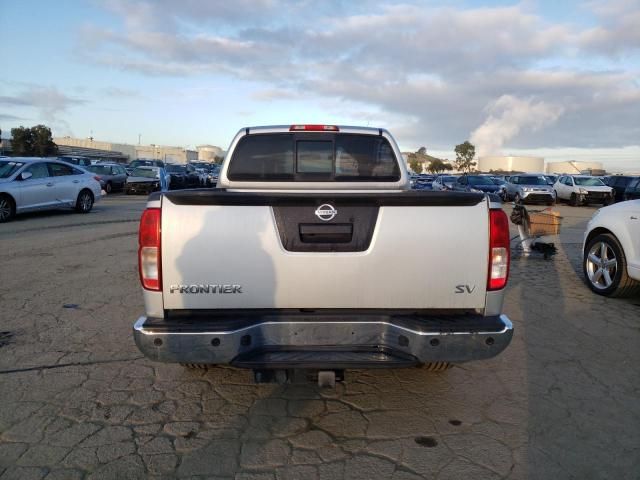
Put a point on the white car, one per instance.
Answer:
(582, 189)
(28, 184)
(611, 260)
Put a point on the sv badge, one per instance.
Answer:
(465, 289)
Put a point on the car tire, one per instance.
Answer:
(84, 203)
(619, 284)
(7, 208)
(108, 187)
(573, 200)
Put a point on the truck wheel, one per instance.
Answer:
(436, 366)
(7, 208)
(573, 200)
(196, 366)
(605, 267)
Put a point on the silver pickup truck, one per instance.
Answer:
(313, 254)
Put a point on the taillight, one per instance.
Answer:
(499, 251)
(149, 251)
(97, 178)
(314, 128)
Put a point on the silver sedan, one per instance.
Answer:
(28, 184)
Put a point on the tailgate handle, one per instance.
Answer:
(319, 233)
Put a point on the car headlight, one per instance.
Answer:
(583, 191)
(527, 189)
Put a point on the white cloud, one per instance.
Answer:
(429, 71)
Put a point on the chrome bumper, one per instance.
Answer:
(377, 342)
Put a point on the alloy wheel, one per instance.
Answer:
(85, 202)
(602, 265)
(5, 209)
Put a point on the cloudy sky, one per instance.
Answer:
(555, 78)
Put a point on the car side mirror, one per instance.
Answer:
(25, 176)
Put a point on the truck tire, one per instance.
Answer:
(196, 366)
(436, 366)
(619, 284)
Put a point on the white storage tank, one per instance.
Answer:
(511, 164)
(208, 153)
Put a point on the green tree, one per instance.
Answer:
(43, 145)
(437, 166)
(21, 141)
(415, 164)
(34, 141)
(464, 157)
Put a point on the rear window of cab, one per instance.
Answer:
(277, 157)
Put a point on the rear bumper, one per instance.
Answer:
(323, 341)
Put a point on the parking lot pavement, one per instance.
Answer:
(77, 400)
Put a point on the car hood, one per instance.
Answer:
(142, 180)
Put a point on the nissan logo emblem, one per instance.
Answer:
(326, 212)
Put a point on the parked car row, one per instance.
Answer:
(538, 187)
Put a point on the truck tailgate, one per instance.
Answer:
(422, 250)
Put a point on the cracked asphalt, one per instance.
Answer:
(77, 400)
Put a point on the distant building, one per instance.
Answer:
(126, 151)
(573, 167)
(511, 164)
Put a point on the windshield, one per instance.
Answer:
(9, 168)
(99, 169)
(176, 169)
(145, 172)
(551, 179)
(478, 180)
(498, 181)
(537, 180)
(589, 182)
